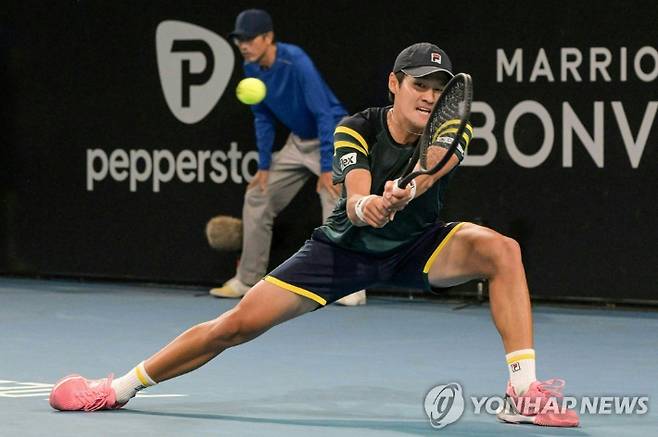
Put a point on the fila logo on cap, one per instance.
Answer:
(195, 66)
(436, 57)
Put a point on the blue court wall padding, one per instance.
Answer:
(105, 171)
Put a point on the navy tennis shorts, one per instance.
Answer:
(324, 272)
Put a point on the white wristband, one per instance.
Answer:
(360, 204)
(411, 185)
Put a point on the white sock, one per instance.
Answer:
(129, 384)
(521, 366)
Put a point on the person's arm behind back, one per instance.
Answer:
(265, 132)
(316, 98)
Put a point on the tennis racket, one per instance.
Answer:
(447, 125)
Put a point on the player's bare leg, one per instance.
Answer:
(478, 252)
(264, 306)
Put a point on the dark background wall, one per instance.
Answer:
(83, 75)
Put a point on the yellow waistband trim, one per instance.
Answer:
(436, 252)
(295, 289)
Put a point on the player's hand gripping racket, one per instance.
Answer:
(446, 125)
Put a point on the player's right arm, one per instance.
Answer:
(351, 166)
(372, 211)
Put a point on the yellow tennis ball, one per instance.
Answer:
(251, 91)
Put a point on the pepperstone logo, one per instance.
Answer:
(444, 404)
(195, 66)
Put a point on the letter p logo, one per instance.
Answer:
(195, 66)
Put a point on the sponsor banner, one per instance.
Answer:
(120, 146)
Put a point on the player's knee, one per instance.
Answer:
(505, 253)
(231, 329)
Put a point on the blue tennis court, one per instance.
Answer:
(360, 371)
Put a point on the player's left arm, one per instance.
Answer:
(434, 155)
(397, 199)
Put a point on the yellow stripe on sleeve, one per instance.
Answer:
(452, 130)
(295, 289)
(354, 134)
(455, 121)
(340, 144)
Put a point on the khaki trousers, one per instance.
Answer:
(291, 167)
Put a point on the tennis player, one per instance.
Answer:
(359, 246)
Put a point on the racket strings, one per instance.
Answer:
(448, 113)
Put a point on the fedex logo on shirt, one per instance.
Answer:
(347, 160)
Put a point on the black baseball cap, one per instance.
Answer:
(421, 59)
(251, 23)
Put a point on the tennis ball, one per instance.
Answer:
(251, 91)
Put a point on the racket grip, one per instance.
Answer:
(403, 182)
(397, 186)
(399, 190)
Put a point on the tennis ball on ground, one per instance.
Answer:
(251, 91)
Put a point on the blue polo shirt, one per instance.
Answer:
(299, 98)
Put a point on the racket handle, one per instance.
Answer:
(399, 187)
(403, 182)
(400, 183)
(399, 190)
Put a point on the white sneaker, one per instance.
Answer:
(232, 288)
(352, 300)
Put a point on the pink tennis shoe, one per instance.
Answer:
(75, 393)
(541, 404)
